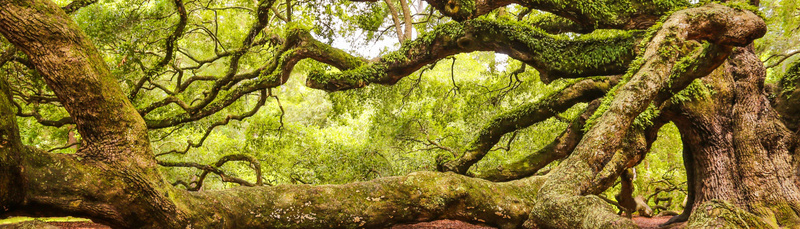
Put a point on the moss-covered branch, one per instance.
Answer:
(787, 100)
(532, 163)
(76, 5)
(559, 101)
(417, 197)
(605, 14)
(10, 147)
(299, 45)
(554, 56)
(76, 72)
(555, 24)
(67, 185)
(602, 155)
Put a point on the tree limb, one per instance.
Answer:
(262, 99)
(215, 169)
(554, 56)
(611, 143)
(559, 148)
(170, 47)
(559, 101)
(76, 5)
(606, 14)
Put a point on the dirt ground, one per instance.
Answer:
(643, 222)
(652, 223)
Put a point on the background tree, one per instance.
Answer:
(135, 80)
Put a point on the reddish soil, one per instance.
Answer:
(441, 224)
(643, 222)
(652, 223)
(78, 225)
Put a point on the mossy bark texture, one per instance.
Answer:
(740, 151)
(742, 166)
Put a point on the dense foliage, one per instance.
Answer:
(309, 136)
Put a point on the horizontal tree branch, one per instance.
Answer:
(190, 144)
(783, 58)
(82, 190)
(601, 53)
(76, 5)
(526, 115)
(215, 169)
(606, 14)
(532, 163)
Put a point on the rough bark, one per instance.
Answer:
(112, 179)
(555, 57)
(691, 176)
(72, 66)
(610, 145)
(740, 150)
(77, 188)
(625, 197)
(115, 138)
(599, 14)
(10, 147)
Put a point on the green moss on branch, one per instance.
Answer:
(603, 52)
(575, 91)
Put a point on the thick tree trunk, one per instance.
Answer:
(116, 154)
(113, 178)
(670, 63)
(740, 150)
(10, 147)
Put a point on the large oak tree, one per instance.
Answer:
(642, 63)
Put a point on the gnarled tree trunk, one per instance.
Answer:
(739, 152)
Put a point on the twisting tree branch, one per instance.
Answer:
(526, 115)
(532, 163)
(453, 76)
(283, 112)
(76, 5)
(214, 168)
(554, 56)
(606, 14)
(262, 99)
(428, 142)
(170, 47)
(64, 147)
(41, 120)
(783, 58)
(211, 102)
(513, 83)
